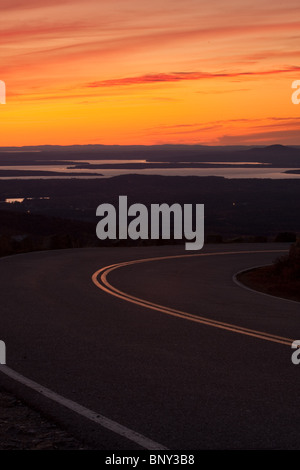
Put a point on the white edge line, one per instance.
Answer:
(107, 423)
(240, 284)
(85, 412)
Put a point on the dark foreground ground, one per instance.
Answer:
(22, 428)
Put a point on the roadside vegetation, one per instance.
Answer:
(281, 279)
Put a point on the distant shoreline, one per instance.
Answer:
(100, 161)
(26, 173)
(293, 172)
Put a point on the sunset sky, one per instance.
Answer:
(139, 72)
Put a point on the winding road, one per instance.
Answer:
(152, 348)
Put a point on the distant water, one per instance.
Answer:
(230, 172)
(273, 173)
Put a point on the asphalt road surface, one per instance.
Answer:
(169, 353)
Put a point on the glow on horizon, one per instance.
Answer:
(132, 72)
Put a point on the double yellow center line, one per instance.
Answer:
(100, 280)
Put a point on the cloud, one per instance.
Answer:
(27, 4)
(221, 92)
(257, 128)
(45, 30)
(277, 120)
(288, 136)
(154, 37)
(183, 76)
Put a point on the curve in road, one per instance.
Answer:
(107, 287)
(235, 390)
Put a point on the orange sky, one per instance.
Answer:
(137, 72)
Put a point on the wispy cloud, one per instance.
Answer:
(256, 127)
(21, 4)
(288, 136)
(182, 76)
